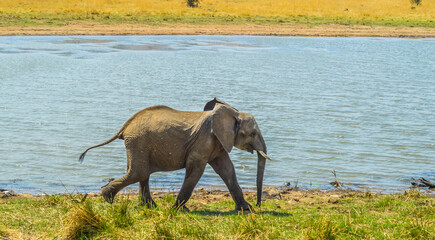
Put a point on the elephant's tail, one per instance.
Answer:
(117, 135)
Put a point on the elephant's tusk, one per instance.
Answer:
(264, 155)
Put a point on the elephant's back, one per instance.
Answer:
(161, 120)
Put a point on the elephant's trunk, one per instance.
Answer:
(261, 154)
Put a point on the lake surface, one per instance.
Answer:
(363, 107)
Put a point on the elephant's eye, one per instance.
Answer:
(253, 134)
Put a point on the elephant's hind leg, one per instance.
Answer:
(136, 171)
(110, 190)
(145, 195)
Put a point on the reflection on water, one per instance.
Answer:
(363, 107)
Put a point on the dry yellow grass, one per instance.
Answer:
(358, 9)
(328, 8)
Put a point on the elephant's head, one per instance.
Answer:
(239, 129)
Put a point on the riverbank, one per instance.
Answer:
(330, 30)
(340, 18)
(285, 214)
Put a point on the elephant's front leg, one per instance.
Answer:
(194, 170)
(145, 195)
(225, 168)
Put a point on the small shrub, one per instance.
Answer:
(416, 2)
(192, 3)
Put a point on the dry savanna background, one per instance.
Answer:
(418, 14)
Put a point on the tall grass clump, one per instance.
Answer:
(413, 194)
(165, 223)
(323, 228)
(173, 224)
(121, 214)
(253, 226)
(83, 222)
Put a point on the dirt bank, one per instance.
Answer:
(203, 196)
(186, 29)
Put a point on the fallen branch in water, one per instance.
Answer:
(422, 182)
(336, 183)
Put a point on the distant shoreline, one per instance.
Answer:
(301, 30)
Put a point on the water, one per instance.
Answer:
(361, 106)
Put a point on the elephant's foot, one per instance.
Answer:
(244, 207)
(107, 194)
(180, 208)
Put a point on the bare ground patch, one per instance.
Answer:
(249, 29)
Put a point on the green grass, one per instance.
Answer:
(41, 19)
(355, 215)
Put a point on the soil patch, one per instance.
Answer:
(249, 29)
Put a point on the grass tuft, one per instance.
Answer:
(120, 213)
(323, 228)
(385, 202)
(369, 194)
(83, 222)
(163, 231)
(413, 194)
(252, 226)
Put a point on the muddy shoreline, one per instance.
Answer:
(248, 29)
(204, 195)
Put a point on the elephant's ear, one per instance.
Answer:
(209, 106)
(224, 125)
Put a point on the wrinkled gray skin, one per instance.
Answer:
(160, 138)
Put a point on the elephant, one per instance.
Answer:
(160, 138)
